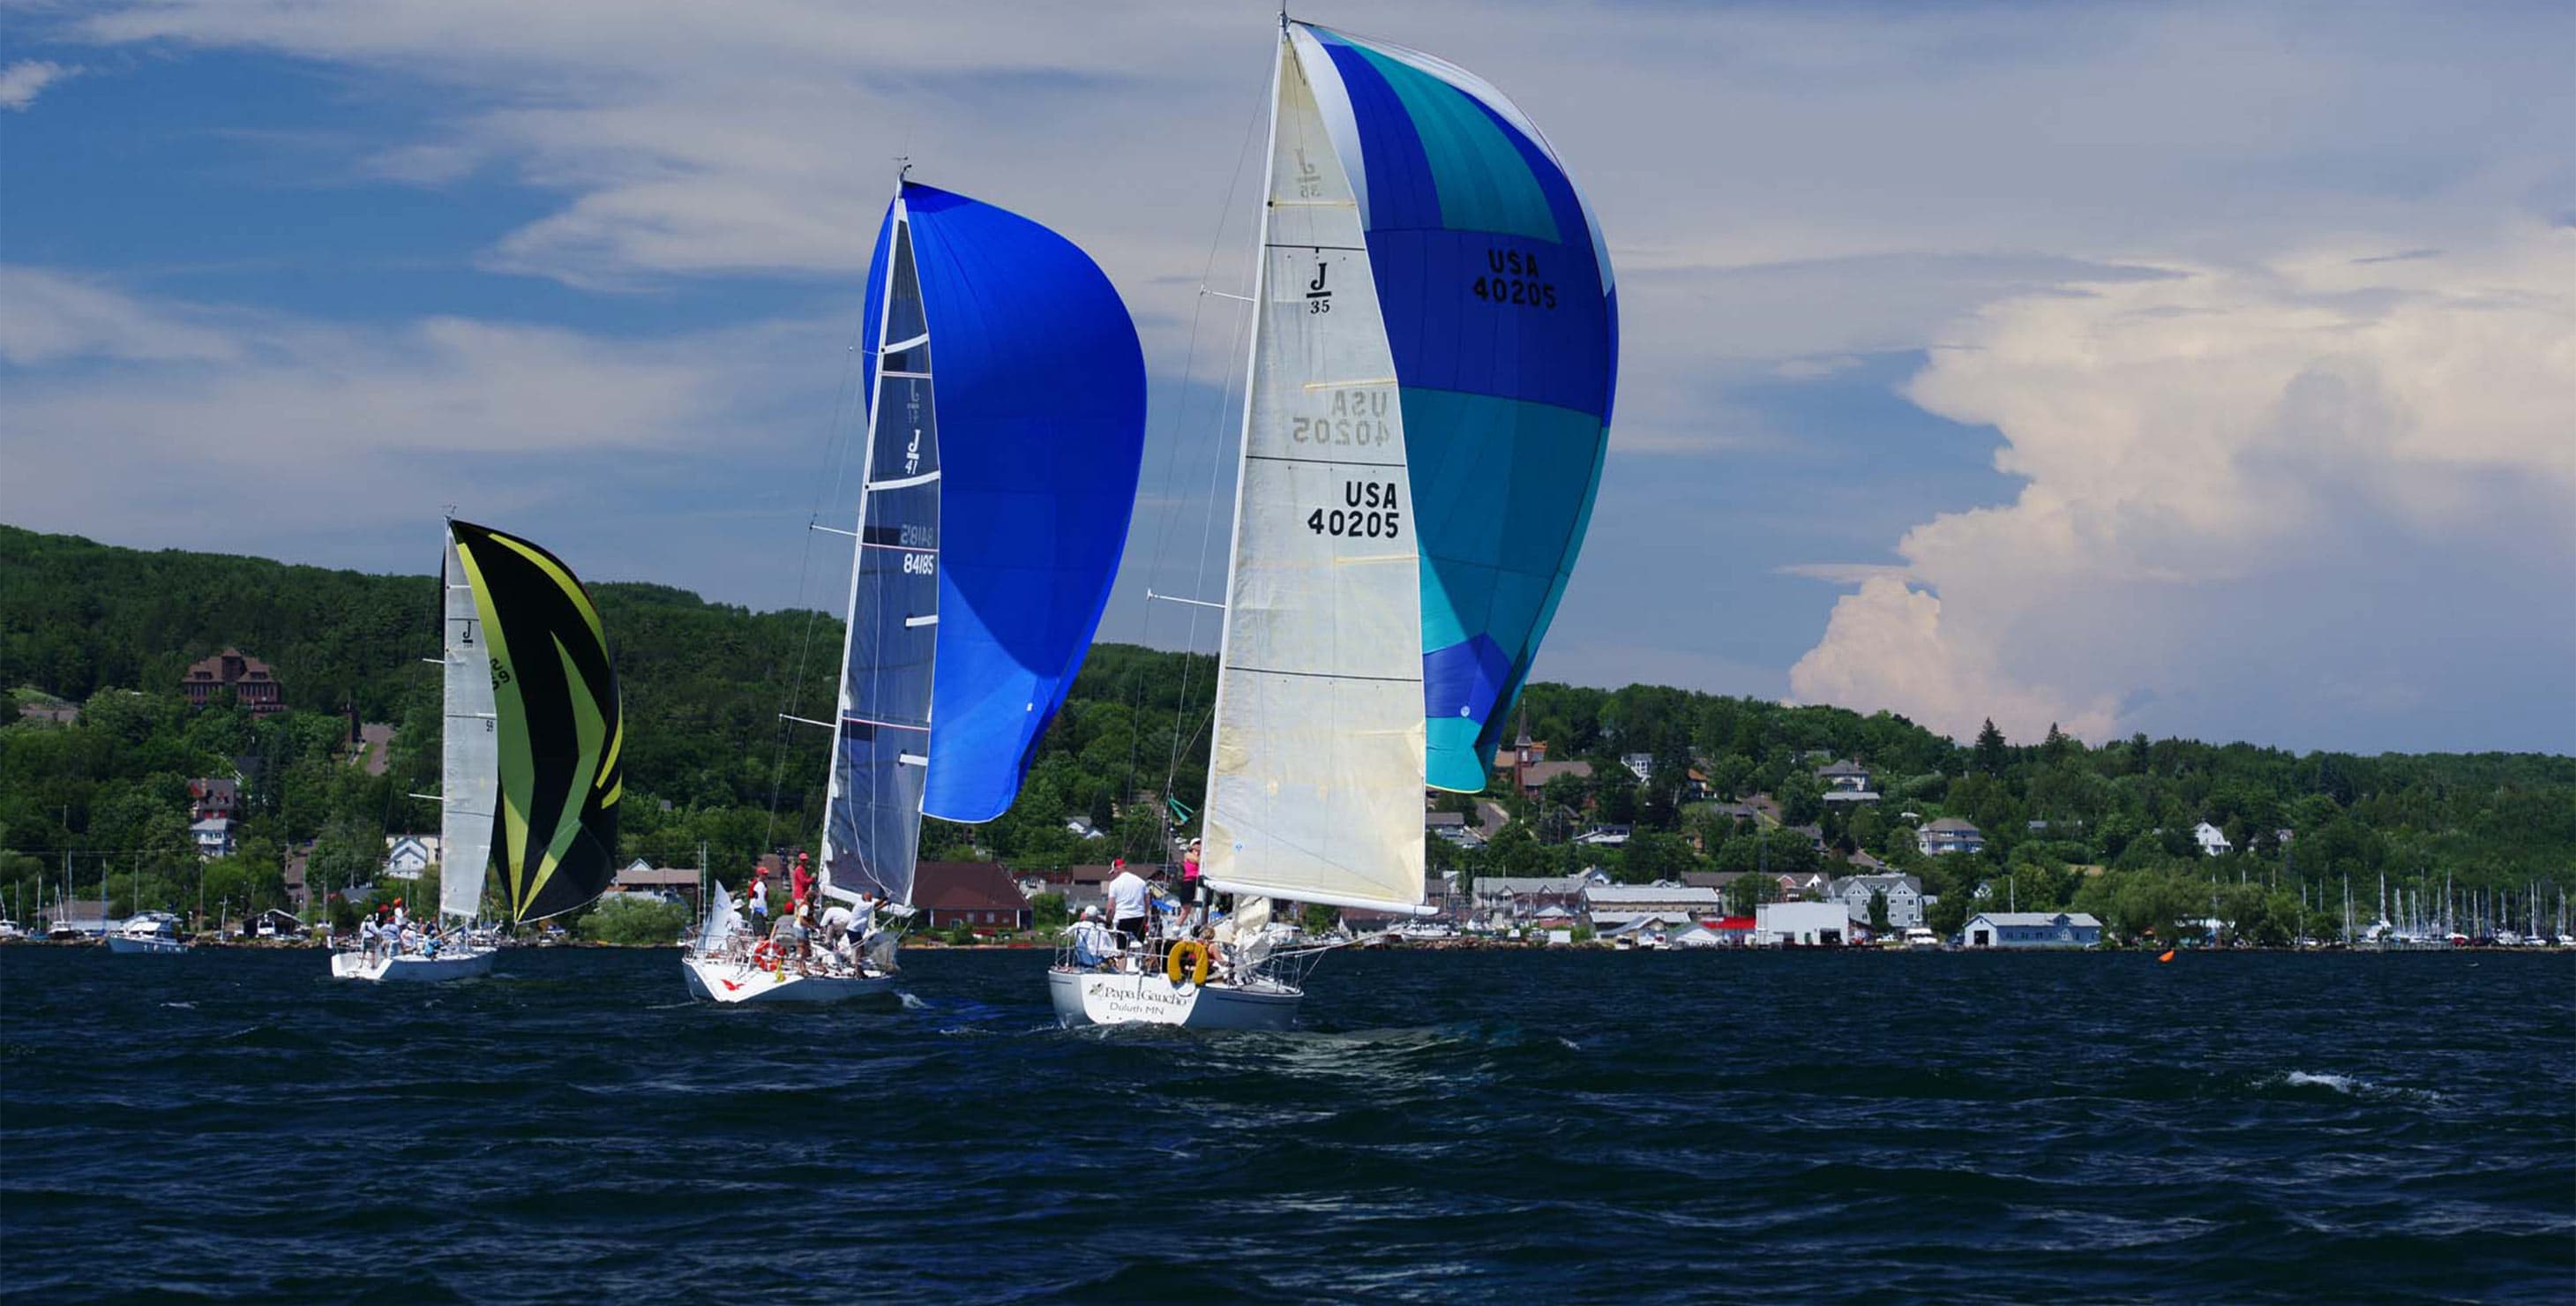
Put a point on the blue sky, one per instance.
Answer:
(2051, 364)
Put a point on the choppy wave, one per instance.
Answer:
(1440, 1127)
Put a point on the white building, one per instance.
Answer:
(1949, 835)
(2213, 841)
(2031, 929)
(1801, 924)
(1904, 897)
(1613, 907)
(213, 835)
(407, 855)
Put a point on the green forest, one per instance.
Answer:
(711, 764)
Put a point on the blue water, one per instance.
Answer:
(1444, 1126)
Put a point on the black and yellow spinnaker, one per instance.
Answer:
(560, 729)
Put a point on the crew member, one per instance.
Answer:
(1131, 903)
(1093, 943)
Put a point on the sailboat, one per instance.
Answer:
(529, 759)
(1006, 426)
(1433, 346)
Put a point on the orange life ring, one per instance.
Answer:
(764, 956)
(1187, 956)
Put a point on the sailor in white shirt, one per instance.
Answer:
(1131, 903)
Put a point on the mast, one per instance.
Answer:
(832, 796)
(881, 729)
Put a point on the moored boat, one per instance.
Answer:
(147, 932)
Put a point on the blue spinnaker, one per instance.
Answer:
(1041, 396)
(1501, 314)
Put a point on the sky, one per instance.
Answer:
(2201, 370)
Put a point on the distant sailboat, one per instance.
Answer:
(529, 758)
(1006, 422)
(1433, 345)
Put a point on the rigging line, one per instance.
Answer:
(1180, 429)
(1216, 464)
(835, 455)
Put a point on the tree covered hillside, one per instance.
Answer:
(708, 761)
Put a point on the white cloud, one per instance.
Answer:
(23, 81)
(48, 317)
(160, 423)
(2225, 474)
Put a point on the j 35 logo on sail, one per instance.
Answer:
(1310, 179)
(1319, 299)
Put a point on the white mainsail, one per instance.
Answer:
(1315, 786)
(470, 754)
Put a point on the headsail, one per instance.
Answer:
(1499, 309)
(1314, 788)
(470, 746)
(559, 728)
(999, 485)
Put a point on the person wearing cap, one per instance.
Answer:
(801, 884)
(1092, 942)
(1131, 902)
(760, 898)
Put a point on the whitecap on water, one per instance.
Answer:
(2354, 1086)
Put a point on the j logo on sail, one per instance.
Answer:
(1318, 299)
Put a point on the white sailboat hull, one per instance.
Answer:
(715, 980)
(129, 946)
(1098, 998)
(411, 969)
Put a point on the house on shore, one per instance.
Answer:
(979, 895)
(408, 855)
(2031, 929)
(2212, 840)
(1801, 925)
(669, 883)
(1904, 897)
(1949, 834)
(1610, 908)
(246, 677)
(213, 836)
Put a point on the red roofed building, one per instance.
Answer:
(246, 677)
(981, 895)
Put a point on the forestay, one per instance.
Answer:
(1314, 791)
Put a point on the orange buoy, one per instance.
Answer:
(2168, 955)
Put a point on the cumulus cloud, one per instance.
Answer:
(2293, 497)
(23, 81)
